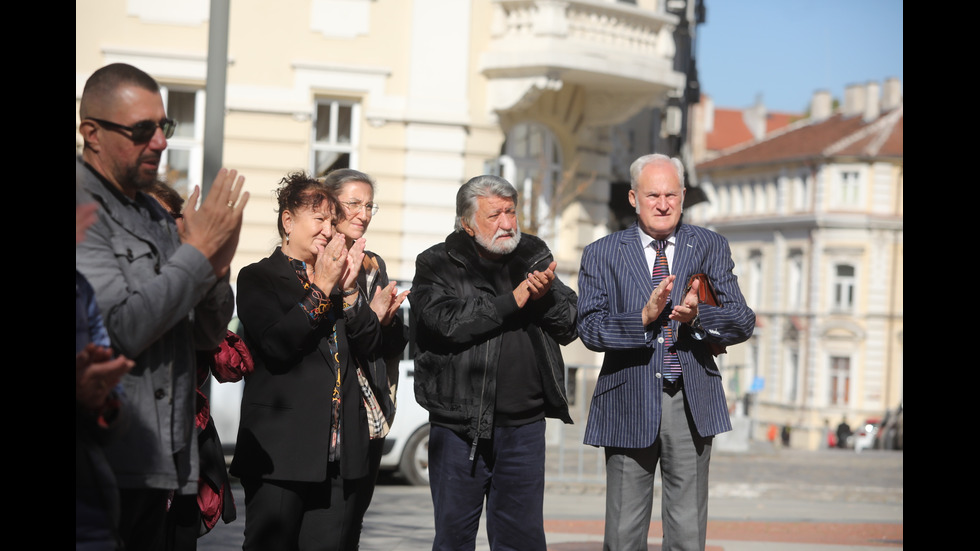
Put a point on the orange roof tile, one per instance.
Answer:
(729, 130)
(837, 135)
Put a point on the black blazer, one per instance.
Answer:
(286, 406)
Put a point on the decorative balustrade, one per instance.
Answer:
(584, 24)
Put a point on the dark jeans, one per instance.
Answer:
(507, 472)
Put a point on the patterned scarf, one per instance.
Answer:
(318, 306)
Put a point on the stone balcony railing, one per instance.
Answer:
(619, 25)
(545, 44)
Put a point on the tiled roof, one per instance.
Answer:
(775, 121)
(835, 136)
(730, 129)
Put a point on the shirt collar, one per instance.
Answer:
(646, 239)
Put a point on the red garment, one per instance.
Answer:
(229, 363)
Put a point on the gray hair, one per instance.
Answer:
(337, 179)
(480, 186)
(638, 165)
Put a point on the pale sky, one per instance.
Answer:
(786, 50)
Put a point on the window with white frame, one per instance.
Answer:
(737, 199)
(182, 163)
(335, 135)
(801, 192)
(794, 283)
(840, 380)
(723, 193)
(843, 287)
(759, 197)
(849, 189)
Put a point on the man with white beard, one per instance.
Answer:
(489, 316)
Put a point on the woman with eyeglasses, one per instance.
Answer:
(355, 191)
(309, 413)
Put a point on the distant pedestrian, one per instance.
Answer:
(784, 435)
(772, 434)
(843, 433)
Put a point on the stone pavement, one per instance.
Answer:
(764, 499)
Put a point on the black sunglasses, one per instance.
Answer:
(142, 131)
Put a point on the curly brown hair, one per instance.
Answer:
(299, 190)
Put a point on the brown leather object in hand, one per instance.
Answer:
(706, 295)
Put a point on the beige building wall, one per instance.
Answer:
(434, 88)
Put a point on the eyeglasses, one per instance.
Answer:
(142, 132)
(355, 207)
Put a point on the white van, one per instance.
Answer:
(406, 448)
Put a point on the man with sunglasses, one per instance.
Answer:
(163, 290)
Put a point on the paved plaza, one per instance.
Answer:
(764, 499)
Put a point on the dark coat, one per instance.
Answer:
(286, 405)
(457, 319)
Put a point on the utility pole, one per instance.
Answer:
(214, 92)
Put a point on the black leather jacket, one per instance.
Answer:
(457, 319)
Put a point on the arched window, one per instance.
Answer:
(537, 166)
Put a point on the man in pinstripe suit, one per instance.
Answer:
(659, 396)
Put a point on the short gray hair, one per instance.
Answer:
(486, 185)
(337, 179)
(638, 165)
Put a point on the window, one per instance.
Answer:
(722, 192)
(840, 380)
(843, 287)
(737, 196)
(794, 284)
(335, 135)
(182, 163)
(801, 192)
(537, 177)
(849, 189)
(758, 197)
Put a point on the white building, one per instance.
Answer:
(814, 214)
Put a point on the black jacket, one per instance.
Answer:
(458, 318)
(286, 405)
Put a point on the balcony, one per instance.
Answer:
(622, 52)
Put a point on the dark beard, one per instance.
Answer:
(137, 180)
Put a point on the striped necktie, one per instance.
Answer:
(672, 365)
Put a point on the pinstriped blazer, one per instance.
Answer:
(614, 284)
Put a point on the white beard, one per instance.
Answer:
(505, 246)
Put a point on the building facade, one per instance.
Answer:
(814, 214)
(420, 94)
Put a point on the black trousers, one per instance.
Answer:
(308, 516)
